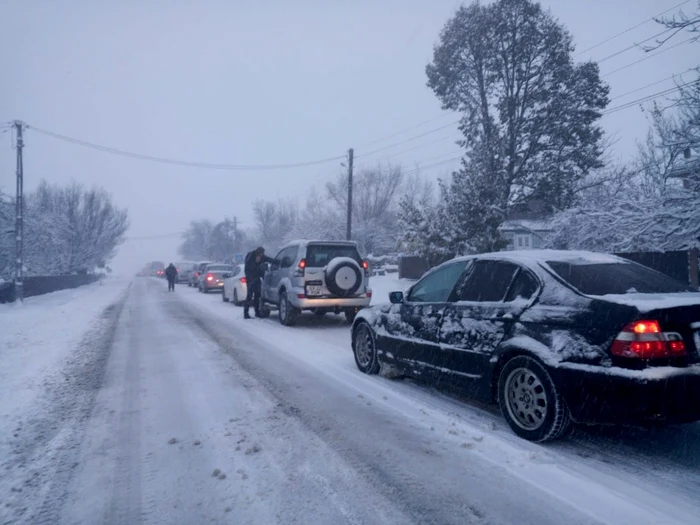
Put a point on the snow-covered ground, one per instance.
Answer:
(160, 407)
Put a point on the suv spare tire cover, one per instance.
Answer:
(343, 276)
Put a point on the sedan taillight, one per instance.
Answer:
(645, 340)
(243, 281)
(210, 277)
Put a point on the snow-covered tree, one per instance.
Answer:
(654, 205)
(529, 113)
(195, 240)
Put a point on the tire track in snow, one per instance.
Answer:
(47, 447)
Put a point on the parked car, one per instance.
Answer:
(184, 269)
(197, 272)
(554, 337)
(320, 276)
(156, 269)
(212, 278)
(235, 287)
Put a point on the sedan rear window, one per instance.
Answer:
(319, 255)
(220, 268)
(616, 278)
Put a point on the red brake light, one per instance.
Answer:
(365, 265)
(196, 274)
(243, 281)
(302, 264)
(645, 340)
(645, 327)
(210, 277)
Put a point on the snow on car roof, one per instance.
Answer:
(321, 241)
(544, 256)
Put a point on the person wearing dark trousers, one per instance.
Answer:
(171, 274)
(254, 272)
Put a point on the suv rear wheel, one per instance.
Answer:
(288, 314)
(530, 402)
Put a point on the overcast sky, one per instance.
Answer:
(257, 82)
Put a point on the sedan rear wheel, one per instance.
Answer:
(365, 350)
(530, 402)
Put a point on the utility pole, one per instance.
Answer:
(19, 217)
(348, 232)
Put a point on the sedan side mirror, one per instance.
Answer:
(396, 297)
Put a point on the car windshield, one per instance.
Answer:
(319, 255)
(616, 278)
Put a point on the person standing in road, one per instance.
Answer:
(254, 272)
(171, 274)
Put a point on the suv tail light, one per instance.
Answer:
(365, 267)
(196, 274)
(243, 281)
(645, 340)
(299, 272)
(210, 277)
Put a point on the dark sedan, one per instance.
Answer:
(554, 337)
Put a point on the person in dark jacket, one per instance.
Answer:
(254, 272)
(171, 274)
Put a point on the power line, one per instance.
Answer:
(433, 165)
(430, 132)
(647, 57)
(634, 46)
(163, 160)
(631, 28)
(401, 132)
(423, 145)
(649, 85)
(647, 98)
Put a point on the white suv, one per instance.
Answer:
(321, 276)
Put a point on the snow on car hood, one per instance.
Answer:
(648, 302)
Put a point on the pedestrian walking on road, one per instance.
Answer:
(171, 274)
(254, 272)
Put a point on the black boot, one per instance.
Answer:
(246, 315)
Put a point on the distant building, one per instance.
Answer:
(525, 234)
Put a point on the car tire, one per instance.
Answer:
(236, 302)
(344, 278)
(288, 314)
(365, 350)
(350, 314)
(530, 402)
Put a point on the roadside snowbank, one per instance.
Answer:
(37, 336)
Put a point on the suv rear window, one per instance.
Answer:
(616, 278)
(319, 255)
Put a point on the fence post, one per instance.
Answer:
(693, 267)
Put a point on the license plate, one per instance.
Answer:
(314, 289)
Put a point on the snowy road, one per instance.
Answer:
(173, 409)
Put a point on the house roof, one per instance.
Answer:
(535, 226)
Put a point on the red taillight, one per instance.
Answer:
(645, 340)
(210, 277)
(196, 274)
(302, 264)
(365, 265)
(301, 296)
(243, 281)
(369, 294)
